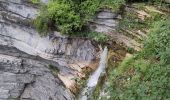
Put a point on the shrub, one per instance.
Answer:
(159, 38)
(69, 16)
(98, 36)
(112, 4)
(125, 65)
(57, 15)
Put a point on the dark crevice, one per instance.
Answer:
(24, 88)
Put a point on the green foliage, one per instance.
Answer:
(165, 56)
(160, 3)
(98, 36)
(57, 15)
(70, 16)
(159, 39)
(141, 82)
(112, 4)
(54, 69)
(139, 64)
(145, 76)
(35, 1)
(130, 50)
(132, 21)
(156, 2)
(124, 65)
(88, 9)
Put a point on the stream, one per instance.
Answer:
(93, 79)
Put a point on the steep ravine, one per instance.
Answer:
(46, 68)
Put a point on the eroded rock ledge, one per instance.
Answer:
(25, 57)
(28, 77)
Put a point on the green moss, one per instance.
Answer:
(99, 37)
(54, 69)
(35, 1)
(141, 65)
(125, 65)
(159, 37)
(130, 50)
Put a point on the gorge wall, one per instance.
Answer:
(46, 68)
(25, 57)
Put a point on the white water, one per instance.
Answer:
(93, 80)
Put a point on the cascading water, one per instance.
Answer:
(93, 80)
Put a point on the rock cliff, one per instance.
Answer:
(28, 77)
(46, 68)
(35, 67)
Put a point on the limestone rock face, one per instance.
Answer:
(167, 1)
(28, 78)
(104, 22)
(25, 57)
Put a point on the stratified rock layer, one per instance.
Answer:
(25, 57)
(106, 22)
(27, 77)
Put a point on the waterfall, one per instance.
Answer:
(93, 80)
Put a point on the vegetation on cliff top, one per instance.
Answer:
(70, 16)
